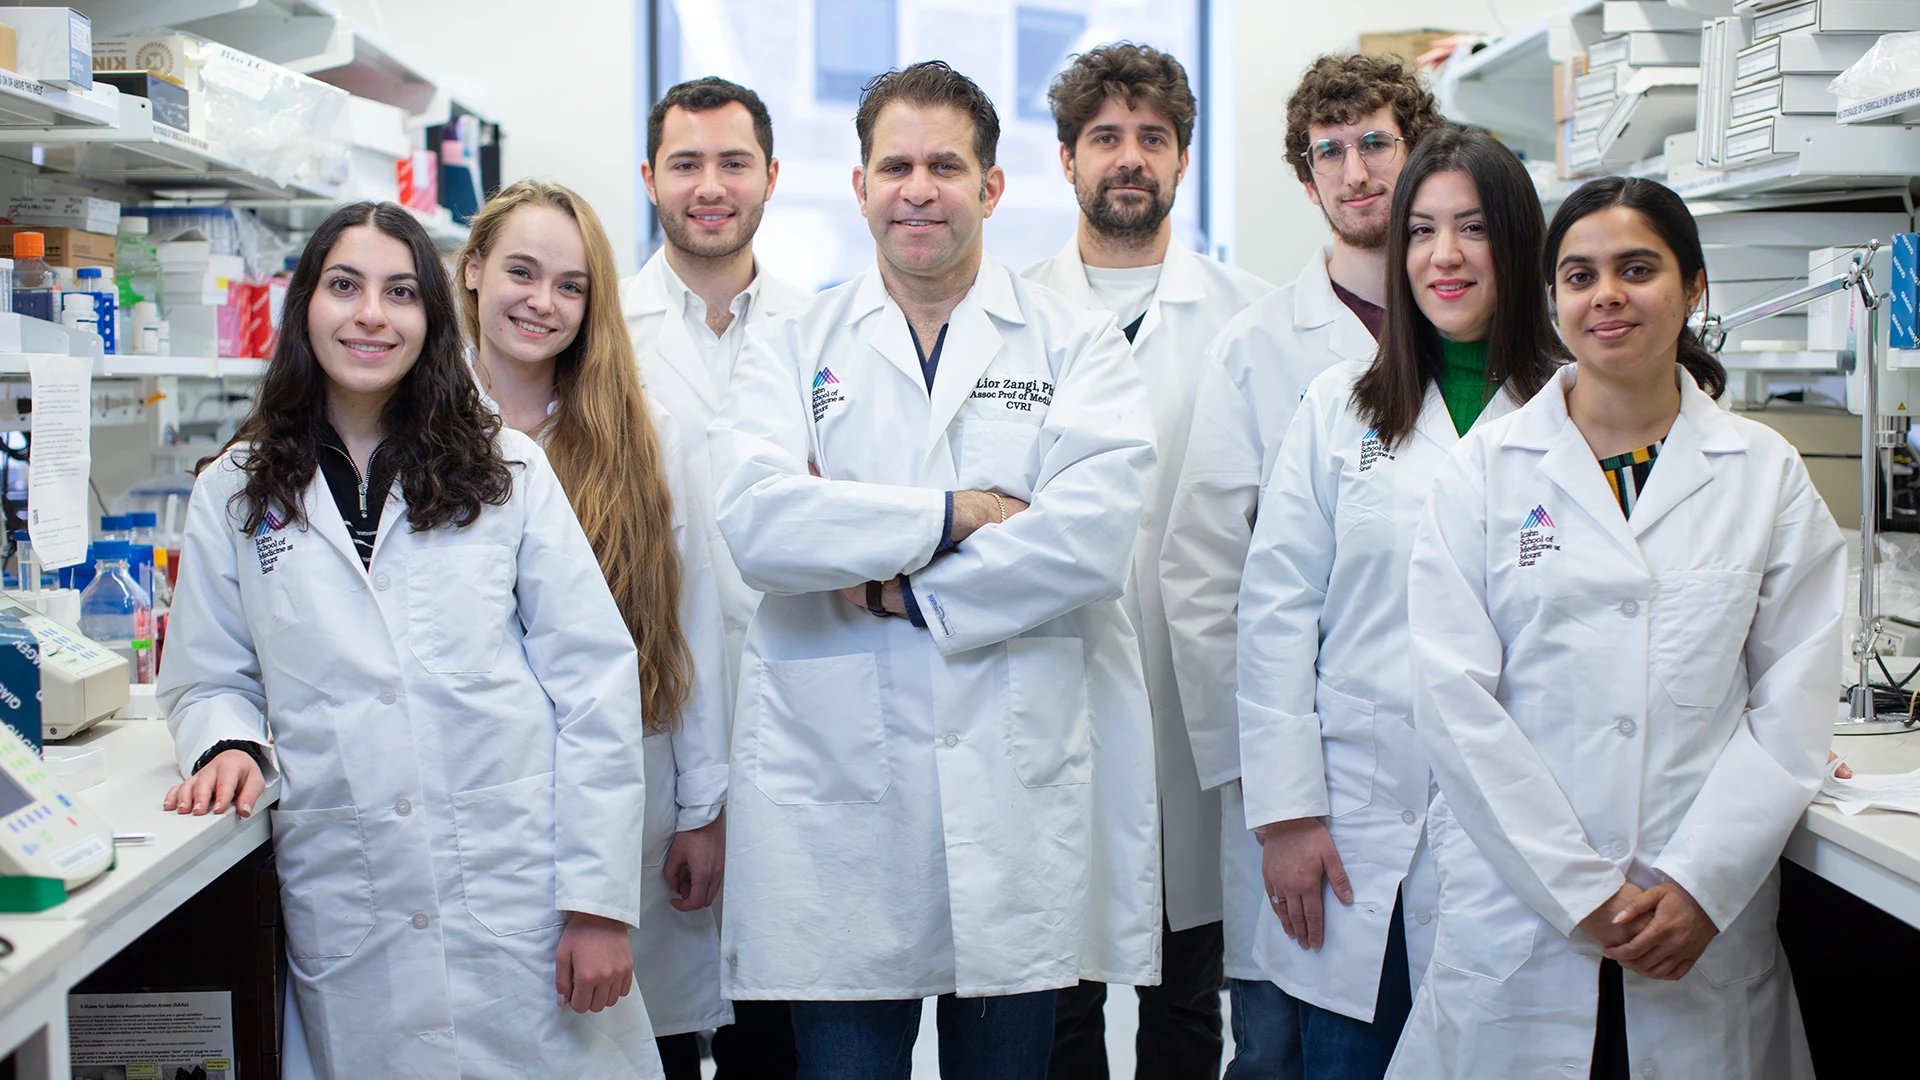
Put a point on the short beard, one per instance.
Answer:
(685, 239)
(1374, 239)
(1128, 228)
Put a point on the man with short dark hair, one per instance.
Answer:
(943, 750)
(709, 171)
(1125, 116)
(1350, 124)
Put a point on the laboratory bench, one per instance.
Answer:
(55, 950)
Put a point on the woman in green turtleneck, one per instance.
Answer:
(1334, 778)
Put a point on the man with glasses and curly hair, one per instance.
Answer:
(1125, 117)
(1350, 125)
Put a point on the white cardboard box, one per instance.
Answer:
(52, 44)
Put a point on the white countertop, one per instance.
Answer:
(1874, 854)
(55, 949)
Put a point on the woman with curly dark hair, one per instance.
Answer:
(402, 587)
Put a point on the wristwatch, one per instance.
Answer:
(875, 601)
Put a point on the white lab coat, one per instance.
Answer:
(1193, 299)
(676, 954)
(1326, 710)
(458, 742)
(967, 807)
(1606, 700)
(678, 380)
(1258, 369)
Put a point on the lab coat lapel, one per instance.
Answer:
(1683, 466)
(1569, 463)
(1316, 306)
(1435, 423)
(323, 517)
(1067, 275)
(1179, 283)
(973, 342)
(675, 349)
(887, 332)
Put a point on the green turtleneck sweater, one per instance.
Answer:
(1463, 381)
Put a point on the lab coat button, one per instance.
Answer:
(1627, 727)
(1629, 608)
(386, 696)
(380, 582)
(1423, 916)
(951, 741)
(1408, 816)
(1146, 522)
(419, 920)
(1647, 1070)
(403, 807)
(1617, 849)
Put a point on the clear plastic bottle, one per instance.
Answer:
(153, 574)
(136, 268)
(35, 291)
(115, 612)
(28, 568)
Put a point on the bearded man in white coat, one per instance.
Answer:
(1369, 111)
(709, 172)
(1125, 115)
(943, 758)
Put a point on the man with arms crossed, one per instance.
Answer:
(1350, 125)
(709, 172)
(1125, 116)
(943, 766)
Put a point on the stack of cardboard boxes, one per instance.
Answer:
(1635, 85)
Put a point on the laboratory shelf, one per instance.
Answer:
(196, 367)
(142, 153)
(29, 103)
(1898, 108)
(17, 363)
(1507, 87)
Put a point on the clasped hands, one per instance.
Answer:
(1658, 932)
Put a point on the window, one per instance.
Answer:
(808, 60)
(853, 40)
(1044, 40)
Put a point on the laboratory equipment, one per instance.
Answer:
(92, 281)
(6, 284)
(115, 611)
(81, 681)
(136, 269)
(144, 331)
(1864, 718)
(44, 833)
(77, 312)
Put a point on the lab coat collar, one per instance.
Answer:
(1685, 465)
(657, 291)
(972, 338)
(1569, 463)
(1436, 423)
(1180, 282)
(1315, 306)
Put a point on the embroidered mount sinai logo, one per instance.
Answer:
(1535, 537)
(826, 392)
(1372, 450)
(268, 545)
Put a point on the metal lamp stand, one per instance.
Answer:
(1862, 717)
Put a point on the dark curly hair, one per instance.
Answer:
(437, 427)
(1136, 74)
(1341, 89)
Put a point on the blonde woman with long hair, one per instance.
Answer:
(541, 307)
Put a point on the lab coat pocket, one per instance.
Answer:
(1700, 621)
(1485, 928)
(1048, 731)
(504, 838)
(1750, 945)
(458, 601)
(999, 455)
(820, 737)
(326, 884)
(1346, 734)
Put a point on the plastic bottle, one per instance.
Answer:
(28, 572)
(6, 284)
(77, 311)
(153, 577)
(136, 268)
(35, 291)
(106, 302)
(144, 333)
(114, 611)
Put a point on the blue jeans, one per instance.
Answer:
(1276, 1036)
(994, 1038)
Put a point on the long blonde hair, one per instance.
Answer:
(602, 443)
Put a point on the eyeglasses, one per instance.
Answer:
(1329, 156)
